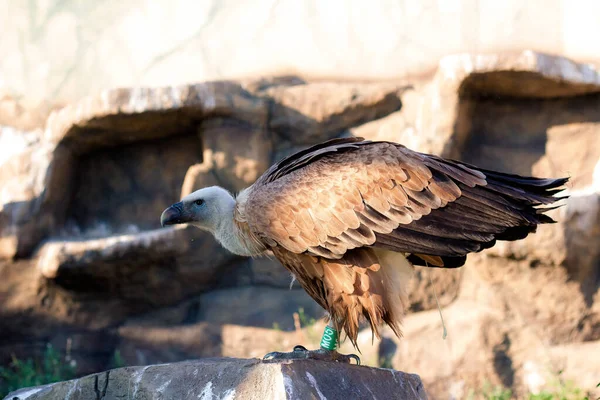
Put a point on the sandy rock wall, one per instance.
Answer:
(84, 257)
(62, 51)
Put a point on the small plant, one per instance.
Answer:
(51, 368)
(560, 389)
(301, 320)
(542, 396)
(117, 360)
(496, 392)
(489, 392)
(386, 362)
(304, 319)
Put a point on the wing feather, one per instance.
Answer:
(396, 196)
(347, 194)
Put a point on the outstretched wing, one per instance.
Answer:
(350, 193)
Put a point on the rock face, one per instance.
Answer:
(222, 378)
(63, 54)
(86, 266)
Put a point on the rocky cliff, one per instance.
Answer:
(86, 266)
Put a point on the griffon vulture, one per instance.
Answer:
(349, 218)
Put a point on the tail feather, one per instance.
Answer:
(506, 207)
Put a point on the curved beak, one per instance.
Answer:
(174, 215)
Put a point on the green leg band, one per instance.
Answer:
(329, 339)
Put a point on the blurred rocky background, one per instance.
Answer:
(213, 93)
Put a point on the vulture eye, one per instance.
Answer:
(199, 202)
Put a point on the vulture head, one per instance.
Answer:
(205, 208)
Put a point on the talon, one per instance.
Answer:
(355, 358)
(345, 358)
(271, 356)
(299, 352)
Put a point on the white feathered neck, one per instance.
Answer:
(228, 232)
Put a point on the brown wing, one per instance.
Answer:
(350, 193)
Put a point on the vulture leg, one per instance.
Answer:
(325, 353)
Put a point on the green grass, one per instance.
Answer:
(52, 367)
(385, 362)
(308, 323)
(489, 392)
(117, 360)
(305, 321)
(559, 389)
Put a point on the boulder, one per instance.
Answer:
(158, 267)
(229, 378)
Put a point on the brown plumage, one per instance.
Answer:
(350, 217)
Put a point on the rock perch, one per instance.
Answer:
(232, 378)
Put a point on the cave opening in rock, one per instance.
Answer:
(124, 189)
(531, 135)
